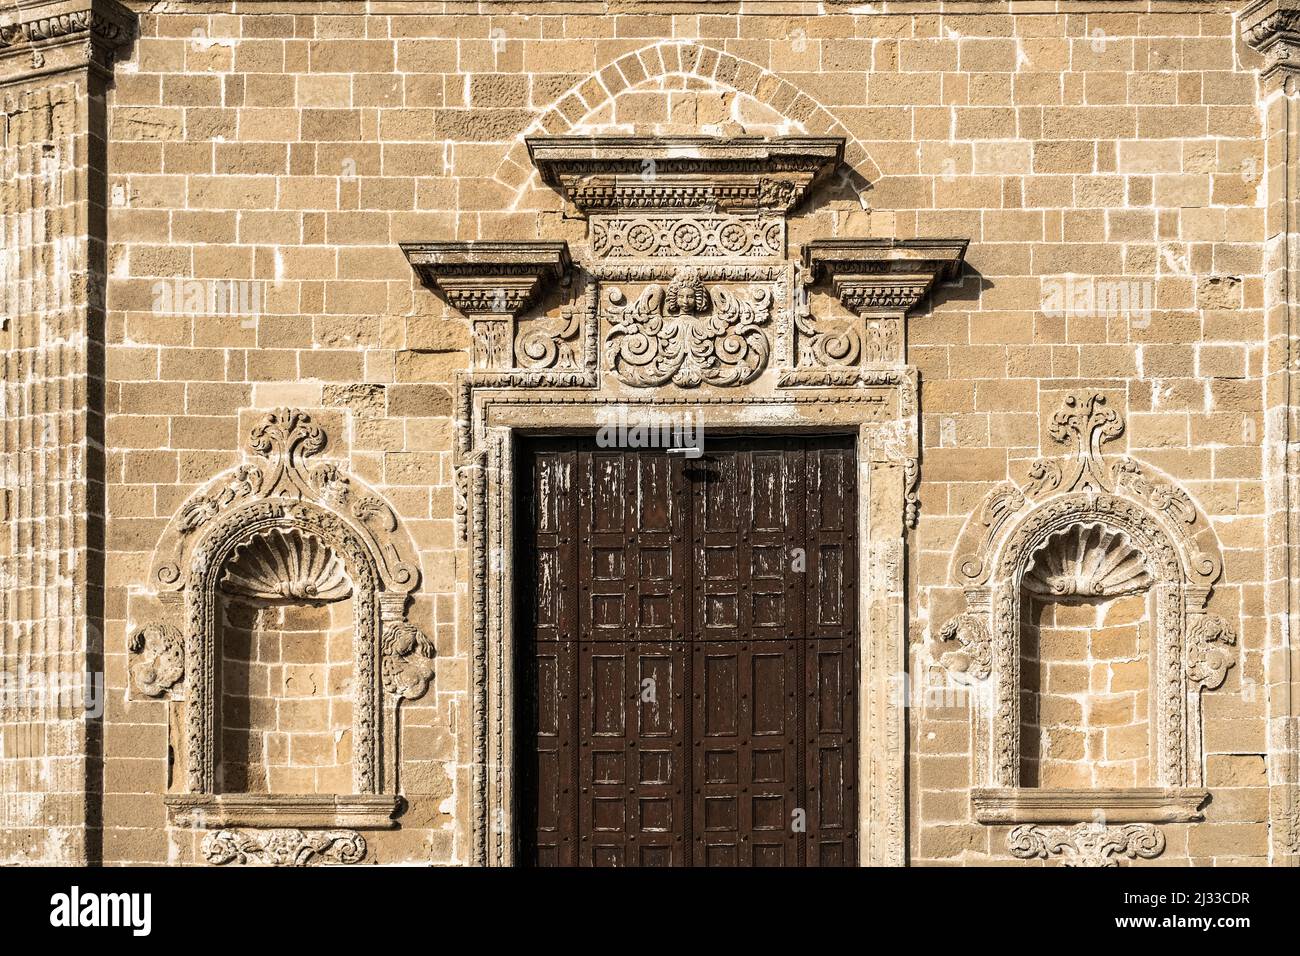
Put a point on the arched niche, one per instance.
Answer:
(278, 532)
(1087, 529)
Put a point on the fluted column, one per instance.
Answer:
(55, 61)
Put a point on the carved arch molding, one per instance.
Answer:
(684, 300)
(1085, 525)
(281, 528)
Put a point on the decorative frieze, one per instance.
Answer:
(699, 236)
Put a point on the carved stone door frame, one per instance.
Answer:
(500, 416)
(684, 300)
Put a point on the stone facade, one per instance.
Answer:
(282, 286)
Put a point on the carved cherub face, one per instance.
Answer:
(686, 294)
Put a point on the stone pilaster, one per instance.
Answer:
(55, 62)
(1272, 28)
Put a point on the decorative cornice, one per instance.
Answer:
(489, 278)
(1272, 28)
(37, 29)
(883, 276)
(1044, 805)
(744, 175)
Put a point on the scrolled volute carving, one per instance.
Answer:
(157, 661)
(970, 659)
(407, 664)
(1209, 653)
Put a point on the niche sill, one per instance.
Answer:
(1136, 805)
(206, 811)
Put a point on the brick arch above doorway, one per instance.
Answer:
(688, 59)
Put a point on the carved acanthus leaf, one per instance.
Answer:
(1088, 423)
(286, 438)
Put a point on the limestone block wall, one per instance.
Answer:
(1110, 162)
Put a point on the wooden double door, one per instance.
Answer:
(688, 659)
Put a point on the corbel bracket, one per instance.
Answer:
(490, 283)
(498, 278)
(881, 278)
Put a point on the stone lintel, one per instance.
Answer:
(745, 175)
(883, 277)
(489, 278)
(1272, 28)
(1008, 805)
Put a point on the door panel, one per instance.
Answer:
(688, 654)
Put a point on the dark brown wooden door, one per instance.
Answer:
(688, 654)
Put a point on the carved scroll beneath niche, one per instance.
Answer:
(283, 847)
(1087, 844)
